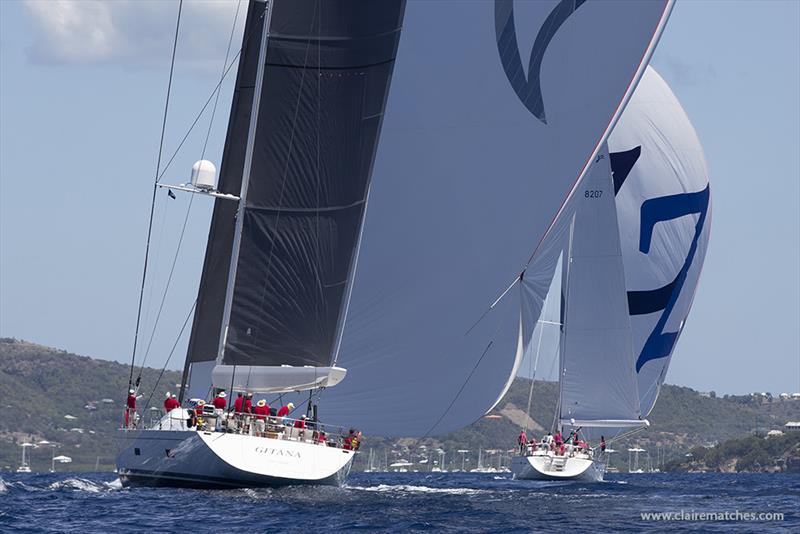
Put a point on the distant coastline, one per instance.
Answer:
(42, 386)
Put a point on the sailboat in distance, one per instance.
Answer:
(426, 111)
(605, 343)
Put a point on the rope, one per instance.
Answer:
(461, 389)
(171, 352)
(155, 188)
(191, 199)
(246, 38)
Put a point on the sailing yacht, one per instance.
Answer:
(302, 285)
(281, 249)
(606, 353)
(597, 379)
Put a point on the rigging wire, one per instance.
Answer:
(171, 352)
(191, 198)
(466, 381)
(230, 65)
(155, 188)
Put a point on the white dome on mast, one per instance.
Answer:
(204, 175)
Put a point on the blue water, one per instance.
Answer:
(399, 502)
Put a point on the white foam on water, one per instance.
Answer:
(114, 484)
(78, 484)
(3, 486)
(386, 488)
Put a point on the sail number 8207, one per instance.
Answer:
(593, 193)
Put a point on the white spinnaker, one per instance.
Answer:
(598, 380)
(467, 180)
(670, 176)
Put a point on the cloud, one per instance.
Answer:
(131, 32)
(683, 72)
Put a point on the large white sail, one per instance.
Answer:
(598, 384)
(494, 111)
(664, 209)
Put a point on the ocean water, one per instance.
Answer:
(402, 502)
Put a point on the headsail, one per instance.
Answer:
(664, 209)
(468, 178)
(325, 81)
(598, 384)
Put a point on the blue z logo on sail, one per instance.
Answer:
(659, 344)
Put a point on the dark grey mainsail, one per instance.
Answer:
(325, 83)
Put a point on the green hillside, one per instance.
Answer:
(774, 453)
(39, 386)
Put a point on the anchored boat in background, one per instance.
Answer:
(466, 161)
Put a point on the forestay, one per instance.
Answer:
(664, 210)
(494, 112)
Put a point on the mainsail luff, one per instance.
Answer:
(328, 71)
(205, 334)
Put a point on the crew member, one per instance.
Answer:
(248, 403)
(602, 444)
(348, 441)
(170, 403)
(261, 412)
(300, 423)
(284, 411)
(130, 408)
(219, 401)
(559, 442)
(522, 439)
(238, 404)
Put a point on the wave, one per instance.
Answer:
(79, 484)
(386, 488)
(3, 486)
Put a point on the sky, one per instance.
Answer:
(82, 88)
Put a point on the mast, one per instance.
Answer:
(563, 338)
(248, 161)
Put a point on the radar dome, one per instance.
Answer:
(204, 175)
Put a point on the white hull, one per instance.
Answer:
(217, 459)
(553, 467)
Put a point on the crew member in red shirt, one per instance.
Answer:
(261, 412)
(238, 404)
(348, 441)
(300, 423)
(284, 411)
(219, 401)
(170, 403)
(130, 408)
(248, 403)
